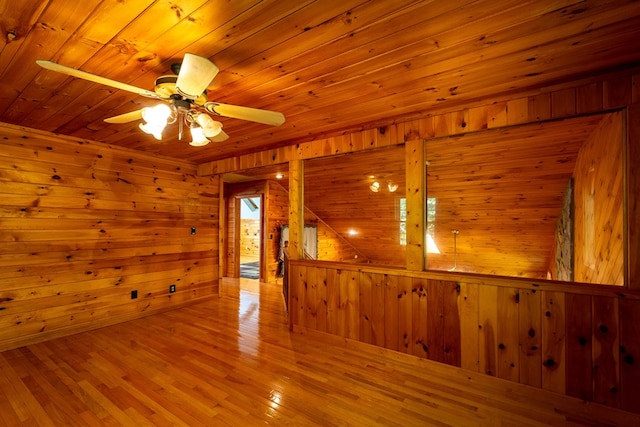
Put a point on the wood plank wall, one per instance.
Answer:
(231, 256)
(579, 341)
(619, 90)
(598, 189)
(277, 214)
(602, 93)
(233, 242)
(249, 240)
(82, 224)
(331, 247)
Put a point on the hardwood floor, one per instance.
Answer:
(233, 361)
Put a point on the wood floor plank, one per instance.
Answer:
(233, 361)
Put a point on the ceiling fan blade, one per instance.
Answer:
(266, 117)
(196, 72)
(219, 137)
(126, 117)
(96, 79)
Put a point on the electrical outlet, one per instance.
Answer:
(134, 294)
(172, 288)
(193, 230)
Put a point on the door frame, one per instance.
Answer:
(232, 194)
(236, 243)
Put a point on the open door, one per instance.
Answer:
(249, 241)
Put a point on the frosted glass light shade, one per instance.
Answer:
(198, 138)
(156, 119)
(210, 127)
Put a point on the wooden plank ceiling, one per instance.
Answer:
(329, 66)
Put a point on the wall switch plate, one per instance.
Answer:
(193, 230)
(172, 288)
(134, 294)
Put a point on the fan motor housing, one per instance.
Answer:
(165, 86)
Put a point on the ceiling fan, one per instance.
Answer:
(184, 101)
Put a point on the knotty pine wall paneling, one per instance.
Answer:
(553, 336)
(83, 224)
(332, 293)
(331, 246)
(276, 215)
(629, 311)
(598, 209)
(310, 301)
(429, 316)
(249, 239)
(296, 209)
(633, 191)
(587, 334)
(234, 231)
(452, 345)
(579, 343)
(468, 300)
(575, 340)
(606, 350)
(321, 299)
(365, 311)
(391, 318)
(487, 322)
(222, 225)
(530, 334)
(584, 97)
(376, 318)
(415, 200)
(507, 334)
(405, 324)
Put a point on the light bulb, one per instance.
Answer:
(197, 134)
(375, 187)
(156, 119)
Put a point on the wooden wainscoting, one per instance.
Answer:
(233, 361)
(578, 340)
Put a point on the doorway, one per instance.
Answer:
(249, 241)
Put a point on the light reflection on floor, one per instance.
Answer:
(248, 293)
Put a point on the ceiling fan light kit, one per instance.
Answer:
(198, 139)
(210, 127)
(185, 101)
(156, 119)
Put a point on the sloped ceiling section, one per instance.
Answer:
(329, 66)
